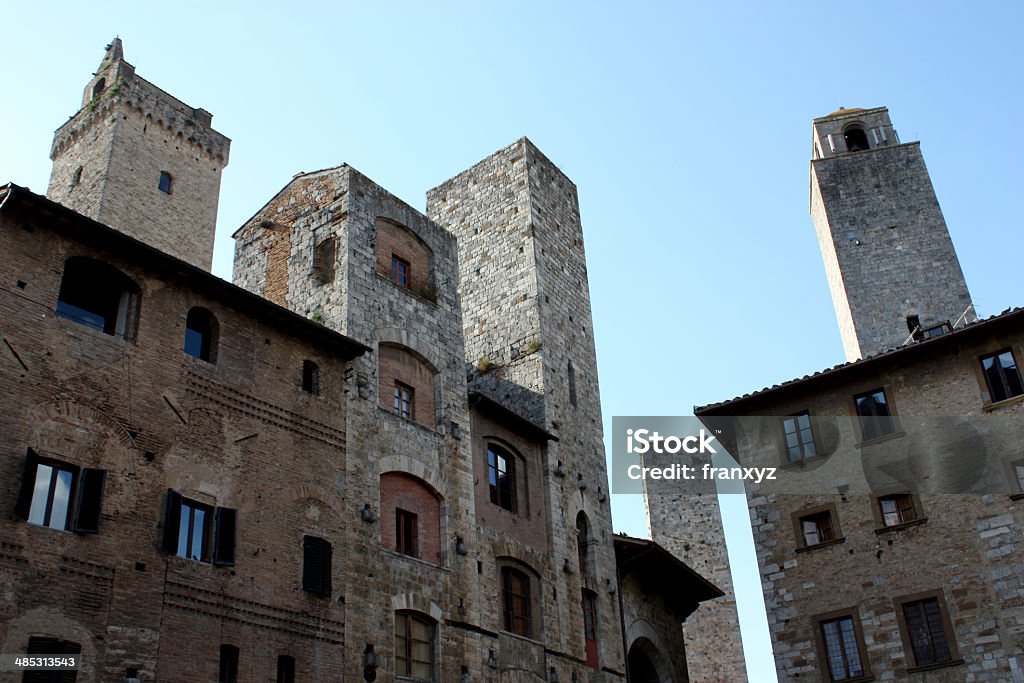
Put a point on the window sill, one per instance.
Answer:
(408, 290)
(901, 527)
(859, 679)
(881, 439)
(1017, 496)
(998, 405)
(409, 421)
(834, 541)
(803, 462)
(417, 560)
(932, 667)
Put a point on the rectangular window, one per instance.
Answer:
(515, 599)
(199, 532)
(1018, 473)
(590, 628)
(228, 664)
(61, 496)
(316, 565)
(404, 400)
(897, 509)
(285, 669)
(414, 647)
(310, 377)
(501, 478)
(841, 645)
(817, 528)
(166, 183)
(875, 415)
(401, 271)
(799, 437)
(42, 645)
(406, 532)
(1001, 375)
(926, 631)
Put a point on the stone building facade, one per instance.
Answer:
(377, 456)
(889, 543)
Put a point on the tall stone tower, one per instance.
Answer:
(141, 161)
(891, 266)
(529, 337)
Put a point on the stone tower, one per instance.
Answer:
(529, 342)
(891, 266)
(141, 161)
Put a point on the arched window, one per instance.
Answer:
(97, 89)
(583, 543)
(414, 646)
(856, 138)
(98, 296)
(501, 478)
(310, 377)
(201, 335)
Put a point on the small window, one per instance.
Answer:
(76, 179)
(414, 647)
(43, 645)
(401, 271)
(841, 642)
(583, 543)
(166, 184)
(98, 296)
(856, 139)
(404, 400)
(316, 565)
(590, 628)
(515, 601)
(61, 496)
(571, 372)
(199, 532)
(897, 509)
(501, 478)
(201, 335)
(875, 416)
(816, 526)
(1001, 375)
(228, 664)
(799, 437)
(310, 377)
(285, 669)
(98, 89)
(324, 258)
(406, 532)
(1018, 474)
(926, 631)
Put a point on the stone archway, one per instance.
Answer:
(646, 664)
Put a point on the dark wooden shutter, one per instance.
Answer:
(69, 648)
(224, 522)
(28, 484)
(89, 501)
(316, 565)
(172, 520)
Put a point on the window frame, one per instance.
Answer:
(407, 526)
(310, 377)
(505, 497)
(401, 271)
(788, 458)
(317, 561)
(94, 284)
(910, 655)
(285, 669)
(1016, 478)
(405, 659)
(84, 498)
(588, 603)
(219, 527)
(228, 663)
(195, 320)
(1002, 376)
(165, 183)
(892, 428)
(821, 645)
(518, 622)
(906, 503)
(405, 400)
(827, 511)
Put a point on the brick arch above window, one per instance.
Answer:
(402, 256)
(406, 384)
(410, 512)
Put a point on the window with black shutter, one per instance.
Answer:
(199, 532)
(42, 645)
(225, 521)
(316, 565)
(59, 495)
(228, 664)
(285, 669)
(406, 532)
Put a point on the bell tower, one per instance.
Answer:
(141, 161)
(891, 266)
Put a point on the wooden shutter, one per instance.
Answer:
(89, 501)
(316, 565)
(906, 504)
(28, 485)
(225, 521)
(172, 520)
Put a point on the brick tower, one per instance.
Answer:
(529, 337)
(891, 266)
(141, 161)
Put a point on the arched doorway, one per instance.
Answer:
(642, 663)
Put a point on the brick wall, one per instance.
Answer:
(398, 490)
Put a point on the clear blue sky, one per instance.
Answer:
(686, 127)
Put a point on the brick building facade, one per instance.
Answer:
(377, 456)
